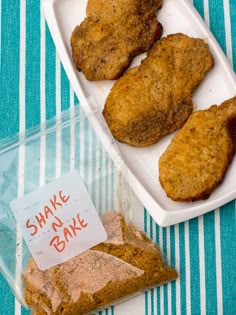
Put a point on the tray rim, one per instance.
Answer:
(161, 216)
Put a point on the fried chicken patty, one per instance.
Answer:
(112, 34)
(154, 99)
(197, 158)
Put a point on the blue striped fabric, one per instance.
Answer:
(34, 87)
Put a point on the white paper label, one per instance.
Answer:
(59, 221)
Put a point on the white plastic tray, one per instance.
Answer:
(142, 163)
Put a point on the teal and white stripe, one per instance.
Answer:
(34, 88)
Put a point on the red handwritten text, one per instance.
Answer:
(68, 233)
(48, 211)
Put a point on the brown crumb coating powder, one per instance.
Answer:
(124, 264)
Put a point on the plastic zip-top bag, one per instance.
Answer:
(67, 241)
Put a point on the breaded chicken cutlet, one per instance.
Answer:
(197, 158)
(154, 99)
(112, 34)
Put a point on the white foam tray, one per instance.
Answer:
(141, 164)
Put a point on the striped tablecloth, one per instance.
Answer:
(34, 87)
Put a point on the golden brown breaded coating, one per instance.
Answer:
(197, 158)
(154, 99)
(112, 34)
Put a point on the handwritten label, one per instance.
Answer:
(58, 221)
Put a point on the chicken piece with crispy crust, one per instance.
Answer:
(196, 160)
(112, 34)
(154, 99)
